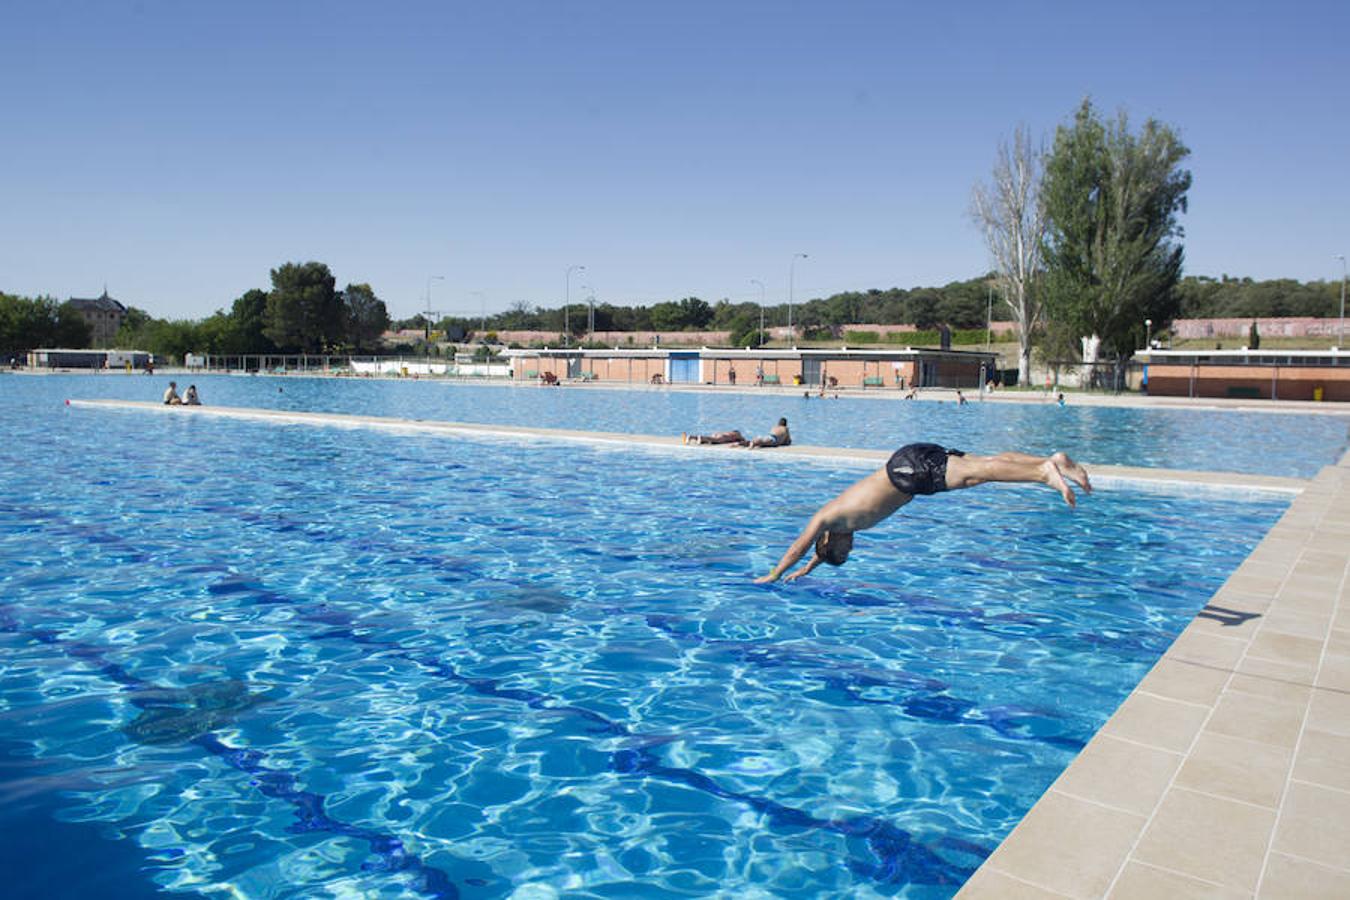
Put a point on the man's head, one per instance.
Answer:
(783, 422)
(173, 384)
(833, 546)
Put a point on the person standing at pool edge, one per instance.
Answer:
(913, 470)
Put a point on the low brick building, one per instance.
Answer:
(1264, 374)
(905, 367)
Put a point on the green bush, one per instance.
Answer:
(912, 338)
(862, 337)
(969, 336)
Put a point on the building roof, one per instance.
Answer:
(1332, 356)
(102, 303)
(734, 353)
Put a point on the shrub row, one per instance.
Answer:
(963, 336)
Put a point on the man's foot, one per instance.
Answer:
(1072, 471)
(1055, 479)
(684, 437)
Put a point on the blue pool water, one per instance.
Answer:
(1230, 440)
(292, 661)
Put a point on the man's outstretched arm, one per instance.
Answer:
(798, 549)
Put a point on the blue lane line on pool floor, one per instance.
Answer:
(392, 855)
(900, 858)
(890, 841)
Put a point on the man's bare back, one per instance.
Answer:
(875, 497)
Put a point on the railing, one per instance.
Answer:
(319, 364)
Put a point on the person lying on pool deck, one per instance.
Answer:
(717, 437)
(777, 437)
(913, 470)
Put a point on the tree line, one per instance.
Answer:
(304, 312)
(243, 329)
(960, 304)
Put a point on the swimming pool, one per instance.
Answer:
(296, 661)
(1229, 440)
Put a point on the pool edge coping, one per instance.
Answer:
(850, 455)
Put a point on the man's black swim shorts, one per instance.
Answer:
(919, 468)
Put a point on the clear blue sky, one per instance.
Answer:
(179, 151)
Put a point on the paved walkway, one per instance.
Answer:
(1226, 773)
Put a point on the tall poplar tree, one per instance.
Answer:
(1112, 247)
(1010, 213)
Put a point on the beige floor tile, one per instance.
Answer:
(1324, 758)
(1338, 641)
(1287, 878)
(1209, 838)
(990, 884)
(1256, 584)
(1272, 688)
(1157, 722)
(1284, 542)
(1335, 672)
(1236, 769)
(1120, 773)
(1318, 603)
(1270, 670)
(1329, 711)
(1313, 576)
(1342, 618)
(1259, 719)
(1315, 824)
(1204, 644)
(1285, 648)
(1303, 625)
(1068, 845)
(1321, 561)
(1177, 680)
(1141, 882)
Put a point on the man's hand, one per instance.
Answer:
(766, 579)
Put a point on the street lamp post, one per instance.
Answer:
(590, 313)
(761, 309)
(482, 308)
(567, 302)
(791, 267)
(1148, 334)
(1340, 331)
(426, 323)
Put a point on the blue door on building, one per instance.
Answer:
(684, 367)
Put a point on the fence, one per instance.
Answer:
(307, 364)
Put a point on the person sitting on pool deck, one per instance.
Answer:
(777, 437)
(171, 397)
(718, 437)
(913, 470)
(191, 398)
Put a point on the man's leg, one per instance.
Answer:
(968, 471)
(1067, 467)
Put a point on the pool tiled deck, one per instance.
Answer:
(1226, 773)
